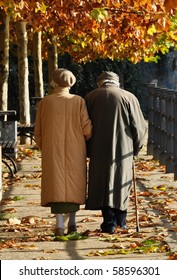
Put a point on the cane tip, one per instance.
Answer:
(137, 229)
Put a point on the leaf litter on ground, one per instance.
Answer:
(72, 236)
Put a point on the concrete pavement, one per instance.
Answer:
(26, 228)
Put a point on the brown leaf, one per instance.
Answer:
(87, 220)
(30, 220)
(25, 247)
(51, 251)
(144, 193)
(174, 218)
(170, 5)
(117, 246)
(7, 201)
(9, 210)
(135, 245)
(172, 211)
(32, 186)
(143, 218)
(174, 229)
(173, 256)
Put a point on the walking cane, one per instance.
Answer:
(136, 202)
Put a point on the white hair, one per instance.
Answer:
(102, 82)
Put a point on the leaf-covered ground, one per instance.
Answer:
(27, 229)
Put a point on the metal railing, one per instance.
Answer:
(162, 137)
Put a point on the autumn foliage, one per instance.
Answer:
(120, 29)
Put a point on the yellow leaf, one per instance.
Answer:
(152, 30)
(41, 8)
(28, 152)
(28, 186)
(103, 36)
(160, 187)
(172, 35)
(83, 44)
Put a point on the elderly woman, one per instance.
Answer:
(61, 129)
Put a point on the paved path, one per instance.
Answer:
(26, 228)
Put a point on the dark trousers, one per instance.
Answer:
(112, 218)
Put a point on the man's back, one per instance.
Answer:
(118, 133)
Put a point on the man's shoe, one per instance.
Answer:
(124, 227)
(59, 231)
(71, 229)
(108, 230)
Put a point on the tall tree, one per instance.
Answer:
(37, 61)
(52, 60)
(4, 60)
(22, 47)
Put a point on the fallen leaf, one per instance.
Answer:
(87, 220)
(14, 221)
(72, 236)
(51, 251)
(144, 193)
(160, 187)
(30, 219)
(28, 186)
(173, 256)
(25, 247)
(6, 201)
(28, 152)
(143, 218)
(9, 210)
(174, 218)
(110, 239)
(40, 258)
(18, 197)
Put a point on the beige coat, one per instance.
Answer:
(61, 127)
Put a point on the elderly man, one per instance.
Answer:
(119, 131)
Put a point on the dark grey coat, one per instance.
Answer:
(119, 131)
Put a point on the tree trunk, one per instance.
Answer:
(4, 60)
(22, 42)
(52, 62)
(37, 59)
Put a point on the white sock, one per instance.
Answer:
(72, 219)
(59, 221)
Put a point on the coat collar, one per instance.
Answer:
(61, 90)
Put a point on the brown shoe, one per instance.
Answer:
(59, 231)
(71, 229)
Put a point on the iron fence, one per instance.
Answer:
(162, 136)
